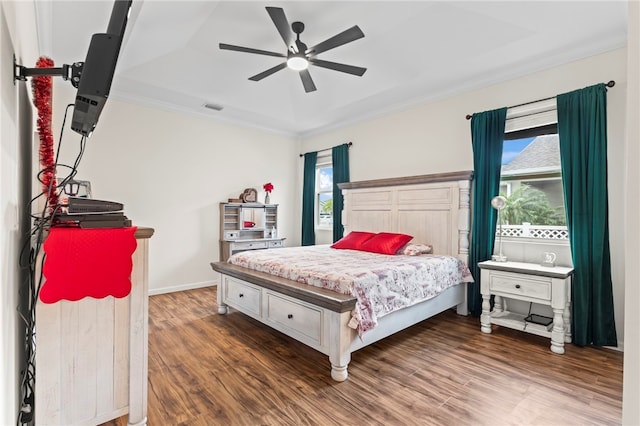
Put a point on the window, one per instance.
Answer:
(531, 181)
(324, 193)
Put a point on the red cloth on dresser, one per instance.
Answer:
(87, 263)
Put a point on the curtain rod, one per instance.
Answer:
(611, 83)
(328, 149)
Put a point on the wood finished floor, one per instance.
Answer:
(209, 369)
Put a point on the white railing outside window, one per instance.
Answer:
(526, 230)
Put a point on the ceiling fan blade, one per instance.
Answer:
(307, 81)
(344, 37)
(224, 46)
(268, 72)
(349, 69)
(280, 20)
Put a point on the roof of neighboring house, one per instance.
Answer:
(542, 154)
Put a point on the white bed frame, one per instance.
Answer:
(432, 208)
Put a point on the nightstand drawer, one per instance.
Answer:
(527, 288)
(276, 244)
(249, 245)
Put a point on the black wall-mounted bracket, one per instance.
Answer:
(67, 72)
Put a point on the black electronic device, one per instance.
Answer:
(81, 205)
(94, 76)
(92, 220)
(539, 319)
(97, 71)
(93, 224)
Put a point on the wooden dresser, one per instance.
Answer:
(91, 354)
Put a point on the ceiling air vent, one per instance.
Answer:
(213, 107)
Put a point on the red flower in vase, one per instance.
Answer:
(268, 187)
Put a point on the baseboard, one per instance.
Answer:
(619, 348)
(181, 287)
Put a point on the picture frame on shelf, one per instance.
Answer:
(249, 195)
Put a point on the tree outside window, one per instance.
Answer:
(529, 204)
(531, 181)
(324, 195)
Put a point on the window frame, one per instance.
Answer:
(521, 133)
(322, 162)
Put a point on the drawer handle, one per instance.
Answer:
(290, 316)
(241, 295)
(517, 285)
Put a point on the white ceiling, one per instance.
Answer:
(413, 51)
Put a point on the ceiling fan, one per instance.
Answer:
(299, 57)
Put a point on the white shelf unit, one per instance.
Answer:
(248, 226)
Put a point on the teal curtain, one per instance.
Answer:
(487, 137)
(340, 160)
(308, 199)
(582, 128)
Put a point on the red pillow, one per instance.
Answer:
(353, 240)
(386, 243)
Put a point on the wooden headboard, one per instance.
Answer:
(433, 208)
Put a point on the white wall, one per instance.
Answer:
(631, 387)
(171, 171)
(435, 137)
(16, 37)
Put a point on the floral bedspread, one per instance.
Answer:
(380, 283)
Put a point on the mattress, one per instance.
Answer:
(380, 283)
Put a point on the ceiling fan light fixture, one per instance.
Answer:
(298, 56)
(298, 62)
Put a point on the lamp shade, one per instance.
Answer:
(498, 202)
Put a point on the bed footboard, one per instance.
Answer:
(317, 317)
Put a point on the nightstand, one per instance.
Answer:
(528, 282)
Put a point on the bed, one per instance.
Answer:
(434, 209)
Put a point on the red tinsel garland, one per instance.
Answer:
(42, 98)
